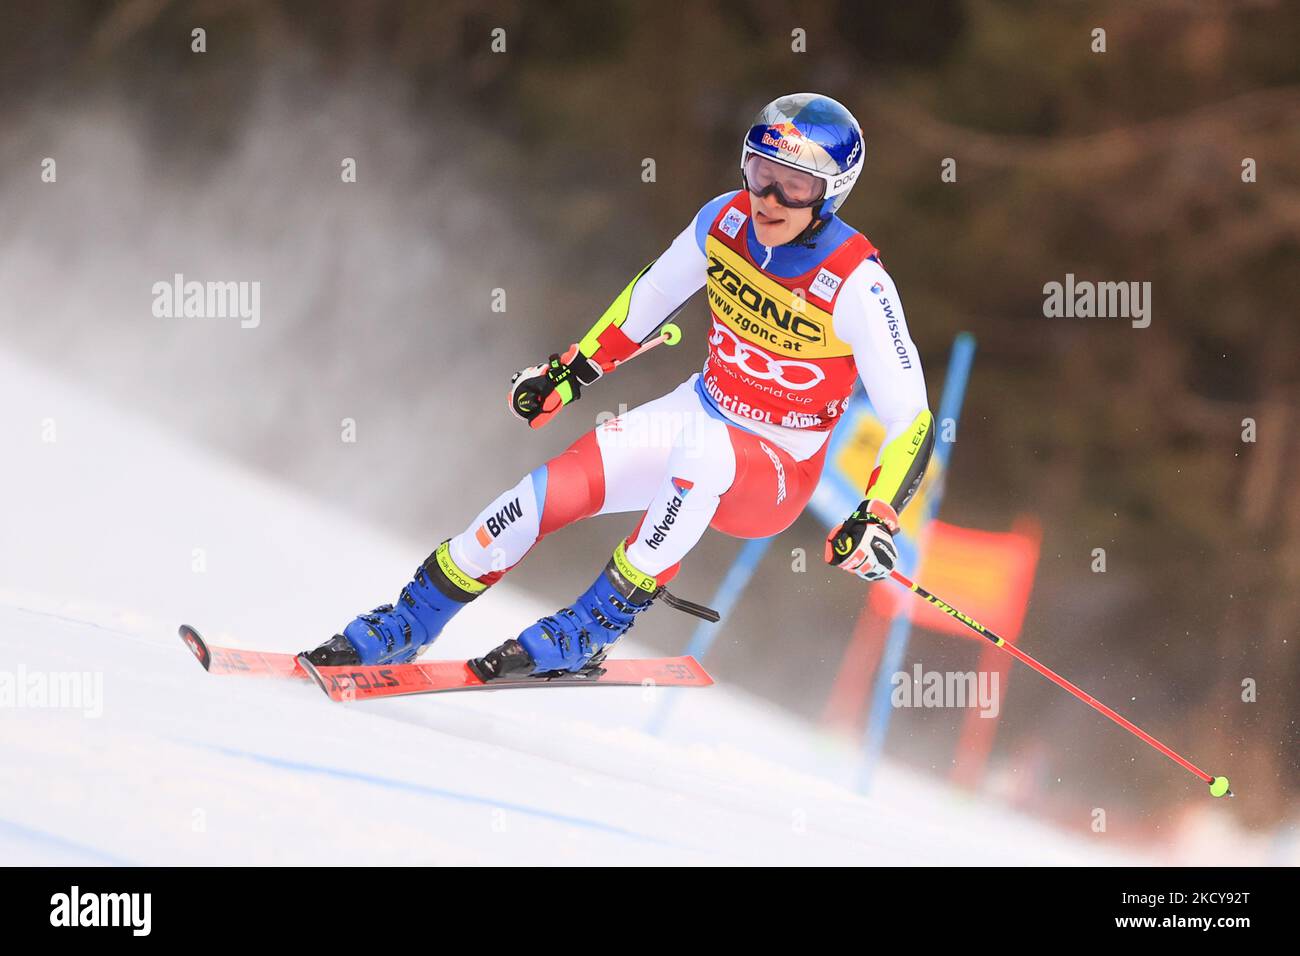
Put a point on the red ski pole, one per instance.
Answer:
(1218, 785)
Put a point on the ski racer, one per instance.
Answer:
(800, 307)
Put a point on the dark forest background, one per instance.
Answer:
(522, 171)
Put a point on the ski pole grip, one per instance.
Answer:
(669, 334)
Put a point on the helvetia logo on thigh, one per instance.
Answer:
(133, 910)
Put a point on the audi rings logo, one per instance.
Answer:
(788, 373)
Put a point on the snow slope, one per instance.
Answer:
(98, 564)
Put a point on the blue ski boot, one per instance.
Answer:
(395, 634)
(576, 638)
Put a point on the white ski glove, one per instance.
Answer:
(863, 544)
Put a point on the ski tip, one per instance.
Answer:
(314, 674)
(198, 647)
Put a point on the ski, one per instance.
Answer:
(430, 677)
(434, 677)
(230, 660)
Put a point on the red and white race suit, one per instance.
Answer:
(740, 445)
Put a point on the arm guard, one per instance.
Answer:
(901, 464)
(606, 343)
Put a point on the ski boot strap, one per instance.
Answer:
(641, 588)
(450, 579)
(690, 607)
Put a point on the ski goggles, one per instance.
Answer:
(794, 188)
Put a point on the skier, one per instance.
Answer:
(800, 305)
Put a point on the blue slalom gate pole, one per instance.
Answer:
(728, 593)
(900, 628)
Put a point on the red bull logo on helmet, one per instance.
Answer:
(784, 136)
